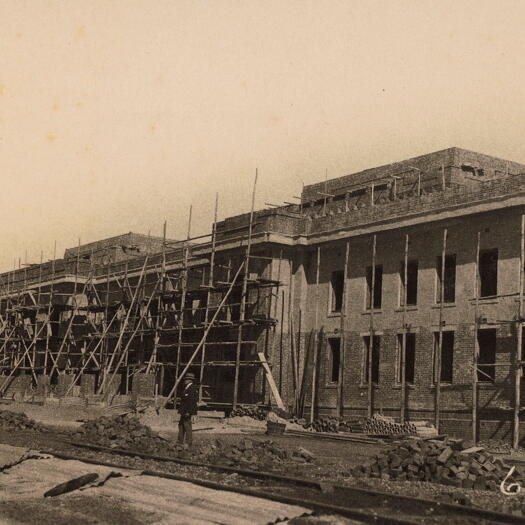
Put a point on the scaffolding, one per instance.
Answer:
(74, 326)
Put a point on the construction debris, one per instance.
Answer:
(252, 454)
(123, 431)
(18, 421)
(449, 462)
(127, 432)
(72, 484)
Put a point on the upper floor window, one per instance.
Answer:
(488, 272)
(410, 288)
(449, 278)
(337, 284)
(374, 280)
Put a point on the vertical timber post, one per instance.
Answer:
(370, 410)
(439, 353)
(242, 312)
(316, 339)
(342, 344)
(519, 347)
(403, 356)
(476, 349)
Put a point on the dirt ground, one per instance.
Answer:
(333, 459)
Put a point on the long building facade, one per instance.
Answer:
(398, 289)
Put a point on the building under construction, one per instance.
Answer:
(397, 289)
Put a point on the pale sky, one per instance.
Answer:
(117, 115)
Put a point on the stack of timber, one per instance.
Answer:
(450, 462)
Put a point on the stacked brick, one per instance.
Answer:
(449, 462)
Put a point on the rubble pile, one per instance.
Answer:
(252, 454)
(450, 462)
(18, 421)
(127, 432)
(256, 412)
(123, 431)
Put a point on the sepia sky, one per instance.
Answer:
(116, 115)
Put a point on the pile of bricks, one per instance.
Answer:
(126, 432)
(449, 461)
(122, 431)
(18, 421)
(252, 454)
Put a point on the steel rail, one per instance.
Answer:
(472, 512)
(361, 515)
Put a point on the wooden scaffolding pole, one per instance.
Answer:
(50, 308)
(402, 364)
(184, 289)
(91, 354)
(65, 339)
(122, 330)
(439, 354)
(476, 349)
(316, 339)
(210, 288)
(124, 353)
(242, 311)
(153, 358)
(291, 332)
(205, 335)
(342, 344)
(519, 347)
(370, 410)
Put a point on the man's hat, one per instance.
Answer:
(189, 375)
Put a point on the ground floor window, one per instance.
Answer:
(487, 355)
(447, 356)
(376, 345)
(334, 359)
(410, 357)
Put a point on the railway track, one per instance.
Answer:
(363, 505)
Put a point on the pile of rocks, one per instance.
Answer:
(255, 412)
(122, 431)
(450, 462)
(127, 432)
(18, 421)
(252, 454)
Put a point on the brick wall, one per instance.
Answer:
(498, 230)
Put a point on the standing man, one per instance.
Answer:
(187, 409)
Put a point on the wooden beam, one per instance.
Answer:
(370, 409)
(316, 339)
(242, 312)
(476, 348)
(342, 344)
(519, 347)
(439, 355)
(402, 363)
(271, 382)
